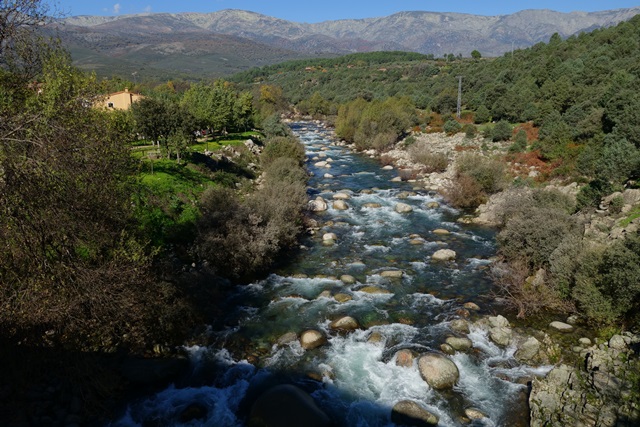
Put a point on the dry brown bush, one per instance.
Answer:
(465, 192)
(433, 162)
(523, 293)
(407, 174)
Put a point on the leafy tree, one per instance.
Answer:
(482, 115)
(217, 106)
(151, 118)
(475, 54)
(164, 122)
(502, 131)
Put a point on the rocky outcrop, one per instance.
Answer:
(602, 391)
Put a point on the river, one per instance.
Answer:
(354, 379)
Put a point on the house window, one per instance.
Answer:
(110, 105)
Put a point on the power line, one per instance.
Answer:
(459, 110)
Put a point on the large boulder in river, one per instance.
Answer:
(392, 274)
(403, 208)
(444, 255)
(438, 371)
(318, 205)
(459, 344)
(287, 405)
(311, 339)
(410, 413)
(340, 205)
(344, 324)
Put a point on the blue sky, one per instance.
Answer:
(322, 10)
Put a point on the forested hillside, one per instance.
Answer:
(580, 92)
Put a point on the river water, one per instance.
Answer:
(354, 379)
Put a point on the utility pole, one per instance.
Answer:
(459, 110)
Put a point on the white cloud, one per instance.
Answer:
(116, 8)
(148, 9)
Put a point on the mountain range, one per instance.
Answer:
(223, 42)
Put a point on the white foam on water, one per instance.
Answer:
(284, 356)
(376, 248)
(418, 265)
(364, 388)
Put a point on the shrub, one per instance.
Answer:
(433, 162)
(241, 238)
(452, 127)
(470, 131)
(590, 195)
(520, 143)
(272, 126)
(501, 131)
(285, 170)
(278, 147)
(527, 295)
(616, 204)
(465, 192)
(531, 237)
(410, 140)
(489, 173)
(407, 174)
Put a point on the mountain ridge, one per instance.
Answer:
(425, 32)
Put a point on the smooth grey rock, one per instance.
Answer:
(346, 323)
(438, 371)
(561, 326)
(501, 335)
(617, 342)
(498, 321)
(342, 298)
(311, 339)
(392, 274)
(528, 349)
(459, 344)
(460, 325)
(340, 205)
(403, 208)
(441, 231)
(318, 205)
(347, 279)
(341, 196)
(474, 414)
(444, 255)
